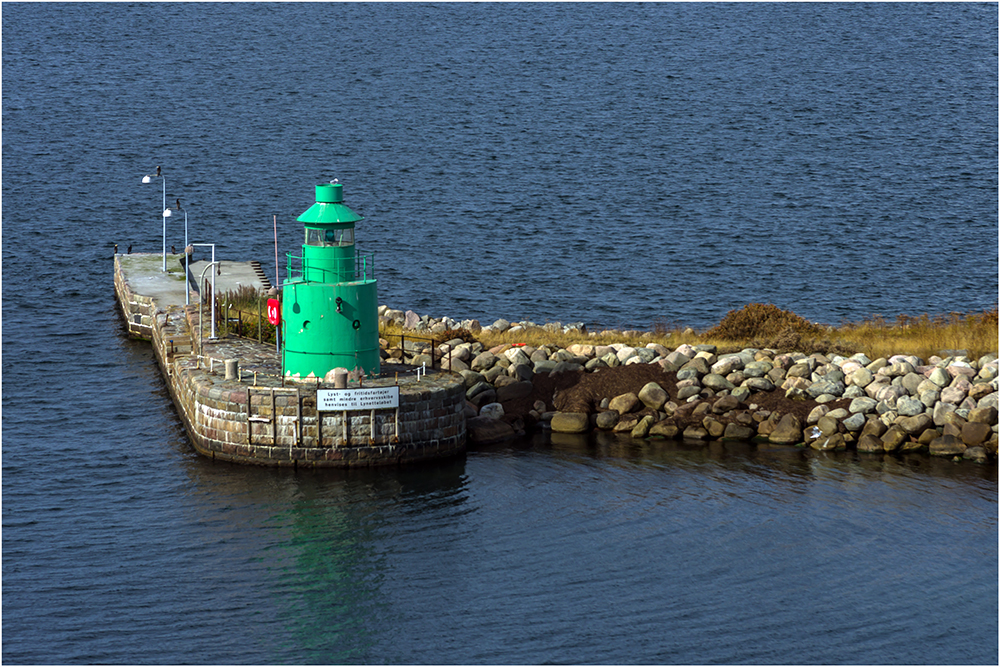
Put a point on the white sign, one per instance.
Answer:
(374, 398)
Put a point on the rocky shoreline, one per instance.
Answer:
(945, 406)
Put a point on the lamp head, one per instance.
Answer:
(146, 179)
(166, 213)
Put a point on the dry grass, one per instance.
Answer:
(765, 326)
(924, 336)
(243, 312)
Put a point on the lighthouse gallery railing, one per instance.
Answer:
(364, 268)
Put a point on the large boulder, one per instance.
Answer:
(570, 422)
(894, 438)
(757, 369)
(990, 400)
(567, 367)
(907, 406)
(484, 397)
(512, 392)
(717, 382)
(606, 420)
(736, 431)
(816, 413)
(916, 424)
(874, 426)
(472, 378)
(516, 355)
(929, 398)
(456, 365)
(787, 432)
(714, 427)
(492, 410)
(947, 445)
(977, 454)
(625, 353)
(725, 403)
(975, 433)
(825, 387)
(521, 372)
(864, 405)
(827, 425)
(726, 365)
(595, 364)
(830, 442)
(546, 366)
(940, 377)
(911, 381)
(653, 395)
(695, 432)
(624, 403)
(862, 377)
(699, 365)
(483, 361)
(979, 391)
(855, 422)
(870, 443)
(502, 380)
(986, 415)
(664, 429)
(641, 430)
(758, 384)
(767, 422)
(954, 395)
(486, 431)
(477, 388)
(941, 412)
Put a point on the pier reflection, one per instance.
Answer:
(317, 540)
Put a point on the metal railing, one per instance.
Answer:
(435, 354)
(363, 268)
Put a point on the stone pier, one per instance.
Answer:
(258, 417)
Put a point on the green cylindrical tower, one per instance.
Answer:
(329, 307)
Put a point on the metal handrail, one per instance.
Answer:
(435, 355)
(364, 267)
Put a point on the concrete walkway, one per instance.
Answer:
(144, 273)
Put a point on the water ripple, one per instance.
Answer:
(615, 164)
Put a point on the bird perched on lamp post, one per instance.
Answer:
(157, 170)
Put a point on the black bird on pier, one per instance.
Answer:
(130, 248)
(116, 248)
(173, 250)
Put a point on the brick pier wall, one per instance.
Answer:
(280, 426)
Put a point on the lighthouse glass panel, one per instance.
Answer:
(329, 237)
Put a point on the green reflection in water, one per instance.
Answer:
(330, 569)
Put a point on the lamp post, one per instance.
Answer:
(166, 214)
(149, 179)
(202, 278)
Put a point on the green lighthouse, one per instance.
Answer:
(329, 304)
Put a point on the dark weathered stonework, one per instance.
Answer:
(274, 425)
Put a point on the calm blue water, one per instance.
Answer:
(613, 164)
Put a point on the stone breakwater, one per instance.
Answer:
(254, 416)
(946, 405)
